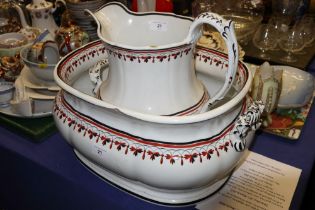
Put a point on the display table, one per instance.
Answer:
(48, 175)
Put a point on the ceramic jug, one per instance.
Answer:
(41, 15)
(151, 60)
(69, 36)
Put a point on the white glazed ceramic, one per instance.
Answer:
(297, 87)
(172, 160)
(43, 71)
(31, 81)
(6, 93)
(151, 60)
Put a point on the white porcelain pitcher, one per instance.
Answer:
(151, 60)
(41, 15)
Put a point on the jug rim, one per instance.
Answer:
(185, 41)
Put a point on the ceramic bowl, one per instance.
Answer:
(12, 40)
(6, 93)
(12, 43)
(297, 87)
(173, 160)
(41, 70)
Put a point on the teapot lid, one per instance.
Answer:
(39, 4)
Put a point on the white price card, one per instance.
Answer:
(156, 25)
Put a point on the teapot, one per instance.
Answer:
(69, 36)
(151, 60)
(41, 15)
(9, 20)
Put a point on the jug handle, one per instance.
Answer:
(226, 29)
(48, 44)
(250, 120)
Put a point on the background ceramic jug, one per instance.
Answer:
(69, 36)
(151, 65)
(41, 15)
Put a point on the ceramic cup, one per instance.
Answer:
(41, 70)
(44, 52)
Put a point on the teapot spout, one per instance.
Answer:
(22, 16)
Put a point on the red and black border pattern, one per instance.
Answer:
(126, 143)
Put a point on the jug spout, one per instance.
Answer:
(22, 16)
(120, 27)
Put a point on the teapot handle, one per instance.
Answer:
(226, 29)
(59, 1)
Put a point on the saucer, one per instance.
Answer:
(38, 95)
(11, 112)
(45, 92)
(33, 82)
(6, 93)
(40, 105)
